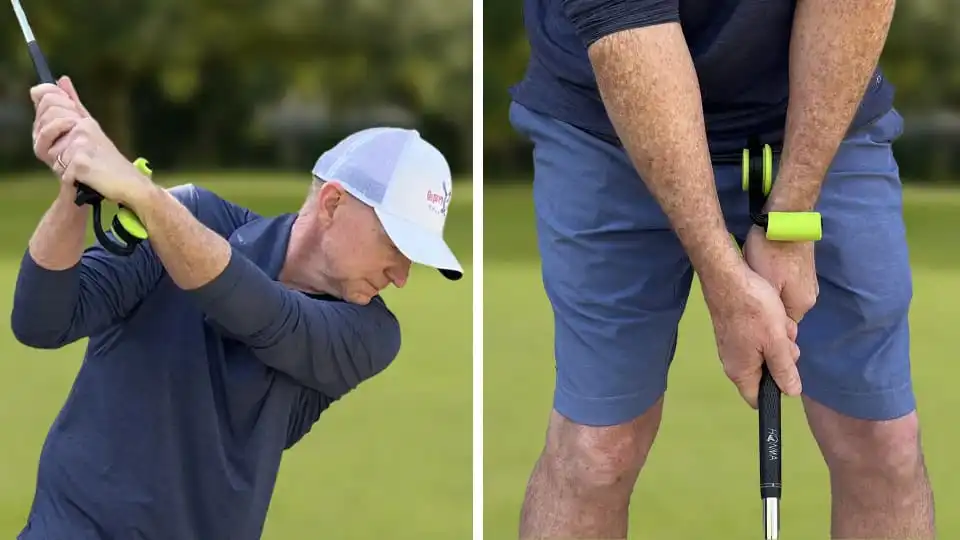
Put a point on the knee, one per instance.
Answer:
(600, 459)
(888, 451)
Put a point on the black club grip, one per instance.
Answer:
(770, 446)
(40, 63)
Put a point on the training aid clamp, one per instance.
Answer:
(126, 225)
(778, 226)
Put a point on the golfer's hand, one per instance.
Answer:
(58, 109)
(91, 159)
(788, 266)
(751, 328)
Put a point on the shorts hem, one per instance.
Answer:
(606, 411)
(879, 406)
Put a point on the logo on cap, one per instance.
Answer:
(439, 201)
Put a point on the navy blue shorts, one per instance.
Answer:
(618, 279)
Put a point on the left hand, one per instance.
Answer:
(92, 159)
(788, 266)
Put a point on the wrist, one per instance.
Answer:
(66, 202)
(717, 259)
(796, 187)
(792, 200)
(142, 195)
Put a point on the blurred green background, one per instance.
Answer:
(242, 97)
(700, 480)
(246, 84)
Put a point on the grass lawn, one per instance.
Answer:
(706, 450)
(391, 460)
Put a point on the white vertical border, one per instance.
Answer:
(477, 269)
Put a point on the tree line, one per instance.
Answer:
(245, 83)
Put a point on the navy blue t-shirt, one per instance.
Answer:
(740, 49)
(186, 400)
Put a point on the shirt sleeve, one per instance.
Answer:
(595, 19)
(328, 345)
(54, 308)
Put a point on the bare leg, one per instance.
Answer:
(879, 484)
(581, 485)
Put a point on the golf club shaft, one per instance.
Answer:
(45, 76)
(39, 61)
(771, 518)
(768, 398)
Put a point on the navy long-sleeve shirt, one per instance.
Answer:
(185, 400)
(740, 50)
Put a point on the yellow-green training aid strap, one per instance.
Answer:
(767, 169)
(794, 226)
(131, 223)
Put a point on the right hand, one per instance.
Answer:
(752, 328)
(58, 111)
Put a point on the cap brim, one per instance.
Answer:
(421, 246)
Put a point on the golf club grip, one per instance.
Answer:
(85, 194)
(40, 63)
(768, 403)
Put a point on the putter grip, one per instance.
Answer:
(769, 408)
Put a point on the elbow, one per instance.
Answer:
(380, 347)
(28, 332)
(44, 306)
(35, 328)
(389, 344)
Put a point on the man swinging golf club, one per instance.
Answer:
(631, 106)
(217, 344)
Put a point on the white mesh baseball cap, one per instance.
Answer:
(406, 181)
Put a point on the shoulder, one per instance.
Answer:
(211, 209)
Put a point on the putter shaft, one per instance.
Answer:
(22, 21)
(771, 518)
(768, 399)
(36, 55)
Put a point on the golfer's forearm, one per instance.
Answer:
(330, 346)
(649, 87)
(834, 50)
(192, 254)
(59, 239)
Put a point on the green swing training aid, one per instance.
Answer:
(779, 226)
(126, 226)
(127, 220)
